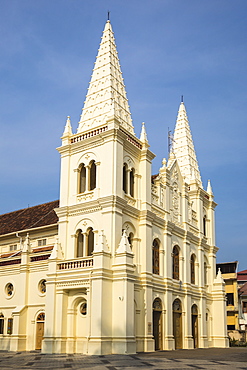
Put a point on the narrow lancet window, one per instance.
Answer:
(204, 225)
(90, 241)
(82, 179)
(92, 176)
(192, 269)
(125, 178)
(156, 257)
(175, 263)
(1, 323)
(79, 241)
(130, 239)
(205, 273)
(132, 181)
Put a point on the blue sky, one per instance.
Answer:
(167, 48)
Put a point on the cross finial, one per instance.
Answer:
(182, 98)
(108, 15)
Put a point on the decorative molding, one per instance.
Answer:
(73, 283)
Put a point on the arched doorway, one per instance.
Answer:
(40, 322)
(194, 321)
(157, 325)
(177, 323)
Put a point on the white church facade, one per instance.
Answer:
(124, 262)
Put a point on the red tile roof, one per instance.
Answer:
(153, 177)
(29, 218)
(242, 275)
(243, 289)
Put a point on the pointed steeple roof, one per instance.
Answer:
(143, 136)
(106, 95)
(209, 188)
(183, 147)
(67, 128)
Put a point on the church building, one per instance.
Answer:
(125, 261)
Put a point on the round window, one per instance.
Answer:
(83, 308)
(42, 286)
(9, 289)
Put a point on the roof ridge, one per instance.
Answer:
(24, 209)
(41, 218)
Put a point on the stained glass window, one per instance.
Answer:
(175, 263)
(9, 289)
(10, 326)
(156, 257)
(41, 317)
(42, 286)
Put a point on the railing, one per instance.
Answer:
(76, 264)
(89, 134)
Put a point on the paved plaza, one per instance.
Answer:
(231, 358)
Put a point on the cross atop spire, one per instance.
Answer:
(183, 147)
(106, 97)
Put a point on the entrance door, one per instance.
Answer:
(157, 325)
(177, 324)
(157, 329)
(40, 330)
(194, 321)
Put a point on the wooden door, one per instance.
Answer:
(157, 329)
(177, 329)
(195, 330)
(39, 334)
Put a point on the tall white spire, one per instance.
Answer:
(106, 95)
(183, 147)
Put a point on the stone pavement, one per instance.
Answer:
(215, 358)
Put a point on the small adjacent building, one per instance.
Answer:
(242, 284)
(229, 274)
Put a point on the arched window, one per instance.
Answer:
(10, 326)
(205, 273)
(83, 308)
(156, 257)
(132, 182)
(175, 263)
(41, 317)
(82, 179)
(90, 241)
(79, 243)
(92, 175)
(1, 323)
(204, 225)
(125, 178)
(192, 269)
(130, 239)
